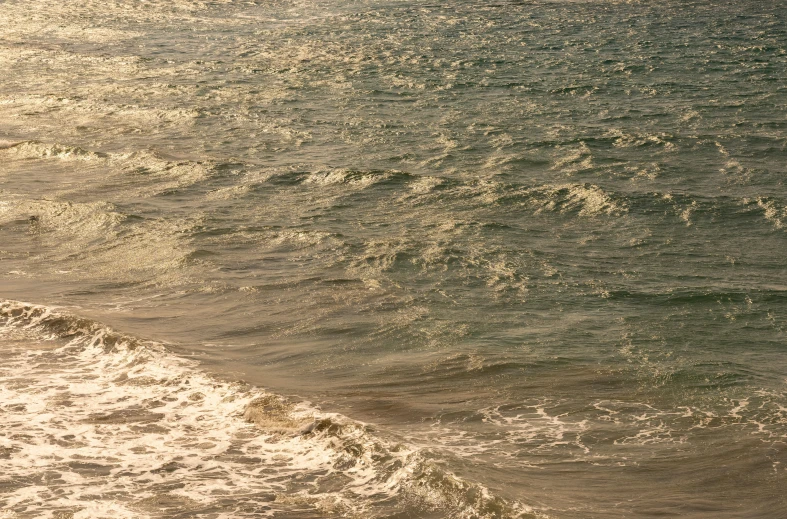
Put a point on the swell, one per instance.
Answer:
(95, 412)
(148, 174)
(578, 200)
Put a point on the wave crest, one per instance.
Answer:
(119, 427)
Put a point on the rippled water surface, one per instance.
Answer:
(393, 259)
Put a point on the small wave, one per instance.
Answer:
(83, 219)
(581, 199)
(772, 212)
(622, 139)
(587, 199)
(119, 246)
(353, 178)
(145, 173)
(40, 150)
(422, 185)
(151, 174)
(101, 424)
(573, 160)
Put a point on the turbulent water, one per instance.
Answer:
(393, 259)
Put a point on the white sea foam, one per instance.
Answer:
(772, 212)
(106, 425)
(356, 179)
(587, 199)
(608, 432)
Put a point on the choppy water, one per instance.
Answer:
(393, 259)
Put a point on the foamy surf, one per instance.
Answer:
(99, 424)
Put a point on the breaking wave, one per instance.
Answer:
(101, 424)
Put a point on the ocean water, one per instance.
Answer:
(393, 259)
